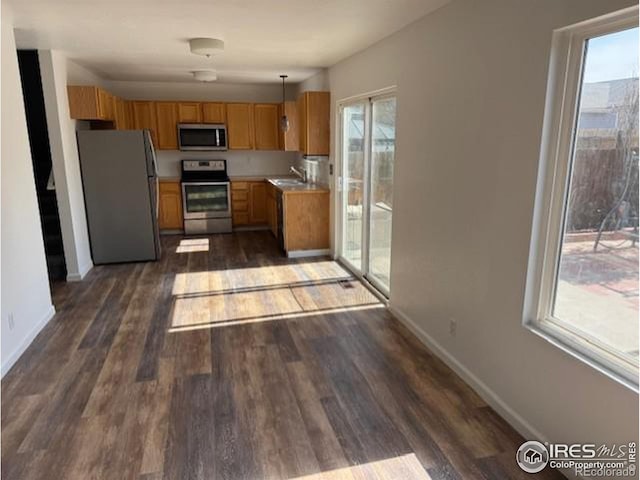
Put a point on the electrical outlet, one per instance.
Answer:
(331, 169)
(453, 327)
(11, 322)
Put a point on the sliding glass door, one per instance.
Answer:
(368, 151)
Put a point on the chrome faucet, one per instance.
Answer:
(302, 175)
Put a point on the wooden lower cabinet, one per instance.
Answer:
(258, 203)
(170, 217)
(272, 209)
(306, 220)
(249, 203)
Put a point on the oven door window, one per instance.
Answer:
(206, 198)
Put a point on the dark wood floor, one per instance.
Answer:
(227, 361)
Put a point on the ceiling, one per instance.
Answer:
(146, 40)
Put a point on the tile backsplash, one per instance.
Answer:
(239, 162)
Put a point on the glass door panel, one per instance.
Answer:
(368, 153)
(383, 140)
(353, 148)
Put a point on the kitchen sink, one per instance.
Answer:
(287, 182)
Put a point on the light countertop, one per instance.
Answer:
(303, 187)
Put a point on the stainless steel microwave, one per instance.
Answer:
(202, 136)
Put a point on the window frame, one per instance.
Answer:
(564, 83)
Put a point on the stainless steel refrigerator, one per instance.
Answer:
(120, 181)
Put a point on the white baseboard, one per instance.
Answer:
(513, 418)
(15, 355)
(78, 276)
(308, 253)
(516, 420)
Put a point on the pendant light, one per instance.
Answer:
(284, 121)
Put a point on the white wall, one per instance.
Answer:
(24, 280)
(316, 83)
(471, 81)
(56, 72)
(240, 162)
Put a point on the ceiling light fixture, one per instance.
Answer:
(206, 46)
(205, 75)
(284, 121)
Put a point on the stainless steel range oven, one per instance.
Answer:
(206, 197)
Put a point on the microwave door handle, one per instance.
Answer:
(217, 137)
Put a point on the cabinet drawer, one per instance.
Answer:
(239, 186)
(240, 218)
(241, 195)
(170, 186)
(239, 206)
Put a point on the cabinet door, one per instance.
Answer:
(258, 205)
(315, 121)
(128, 108)
(289, 140)
(190, 112)
(213, 112)
(144, 117)
(120, 114)
(167, 120)
(170, 206)
(83, 102)
(272, 213)
(301, 105)
(240, 126)
(267, 131)
(105, 105)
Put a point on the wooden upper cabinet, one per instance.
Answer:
(289, 140)
(214, 112)
(302, 124)
(106, 107)
(144, 117)
(190, 112)
(90, 103)
(167, 121)
(122, 114)
(240, 126)
(267, 131)
(313, 113)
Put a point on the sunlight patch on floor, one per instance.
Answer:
(406, 467)
(204, 299)
(257, 277)
(188, 245)
(268, 318)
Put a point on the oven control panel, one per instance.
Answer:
(204, 165)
